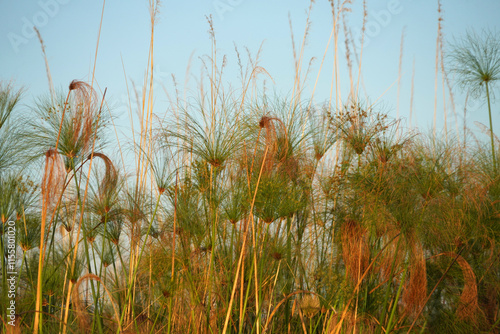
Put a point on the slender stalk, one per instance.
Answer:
(396, 299)
(491, 128)
(228, 314)
(132, 282)
(37, 326)
(81, 217)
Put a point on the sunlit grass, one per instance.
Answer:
(244, 213)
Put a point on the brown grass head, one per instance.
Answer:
(392, 257)
(53, 178)
(272, 140)
(468, 308)
(84, 110)
(355, 251)
(110, 179)
(81, 315)
(415, 290)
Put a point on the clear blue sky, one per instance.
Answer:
(70, 27)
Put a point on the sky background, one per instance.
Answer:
(70, 29)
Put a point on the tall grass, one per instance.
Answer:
(245, 213)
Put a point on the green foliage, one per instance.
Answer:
(475, 59)
(273, 215)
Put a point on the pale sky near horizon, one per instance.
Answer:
(70, 28)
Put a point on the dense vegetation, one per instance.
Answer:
(244, 214)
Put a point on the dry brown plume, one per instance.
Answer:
(468, 308)
(271, 140)
(355, 252)
(84, 109)
(393, 257)
(415, 291)
(53, 178)
(81, 315)
(110, 178)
